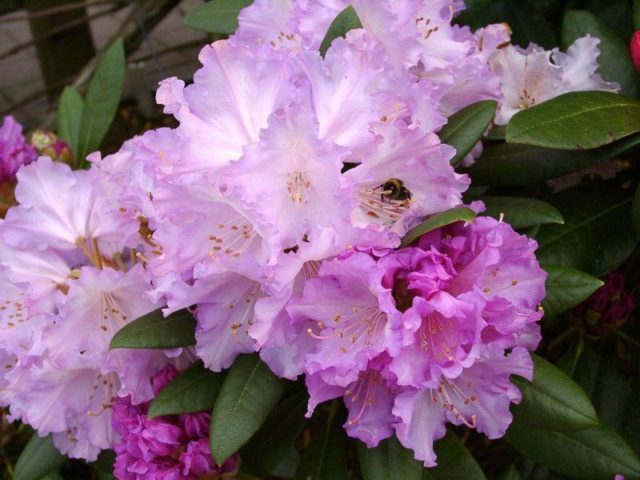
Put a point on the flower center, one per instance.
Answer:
(297, 185)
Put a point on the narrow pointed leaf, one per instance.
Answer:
(154, 330)
(325, 458)
(346, 20)
(521, 212)
(39, 458)
(591, 454)
(70, 110)
(576, 121)
(216, 16)
(614, 60)
(454, 461)
(553, 400)
(101, 101)
(458, 214)
(389, 461)
(566, 288)
(193, 390)
(465, 128)
(248, 395)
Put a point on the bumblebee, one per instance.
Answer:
(394, 189)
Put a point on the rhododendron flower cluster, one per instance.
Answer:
(275, 212)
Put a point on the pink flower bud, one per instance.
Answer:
(635, 49)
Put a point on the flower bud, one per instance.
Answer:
(608, 308)
(47, 143)
(635, 49)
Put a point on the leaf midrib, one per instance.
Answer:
(569, 116)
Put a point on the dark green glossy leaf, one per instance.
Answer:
(70, 110)
(105, 461)
(508, 164)
(522, 212)
(101, 101)
(246, 398)
(193, 390)
(597, 235)
(614, 60)
(459, 214)
(553, 400)
(325, 458)
(465, 128)
(389, 461)
(39, 458)
(271, 446)
(154, 330)
(576, 121)
(346, 20)
(566, 288)
(510, 474)
(635, 211)
(454, 461)
(497, 133)
(216, 16)
(592, 454)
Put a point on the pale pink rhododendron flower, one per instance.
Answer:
(533, 75)
(71, 282)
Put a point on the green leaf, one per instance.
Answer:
(458, 214)
(216, 16)
(101, 101)
(70, 110)
(592, 454)
(346, 20)
(193, 390)
(104, 462)
(389, 461)
(271, 446)
(154, 330)
(521, 212)
(553, 401)
(248, 395)
(597, 236)
(454, 461)
(510, 474)
(39, 458)
(507, 164)
(576, 121)
(566, 288)
(635, 211)
(636, 14)
(325, 458)
(615, 62)
(465, 128)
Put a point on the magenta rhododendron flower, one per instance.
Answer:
(14, 150)
(425, 335)
(163, 448)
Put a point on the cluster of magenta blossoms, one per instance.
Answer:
(275, 210)
(164, 448)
